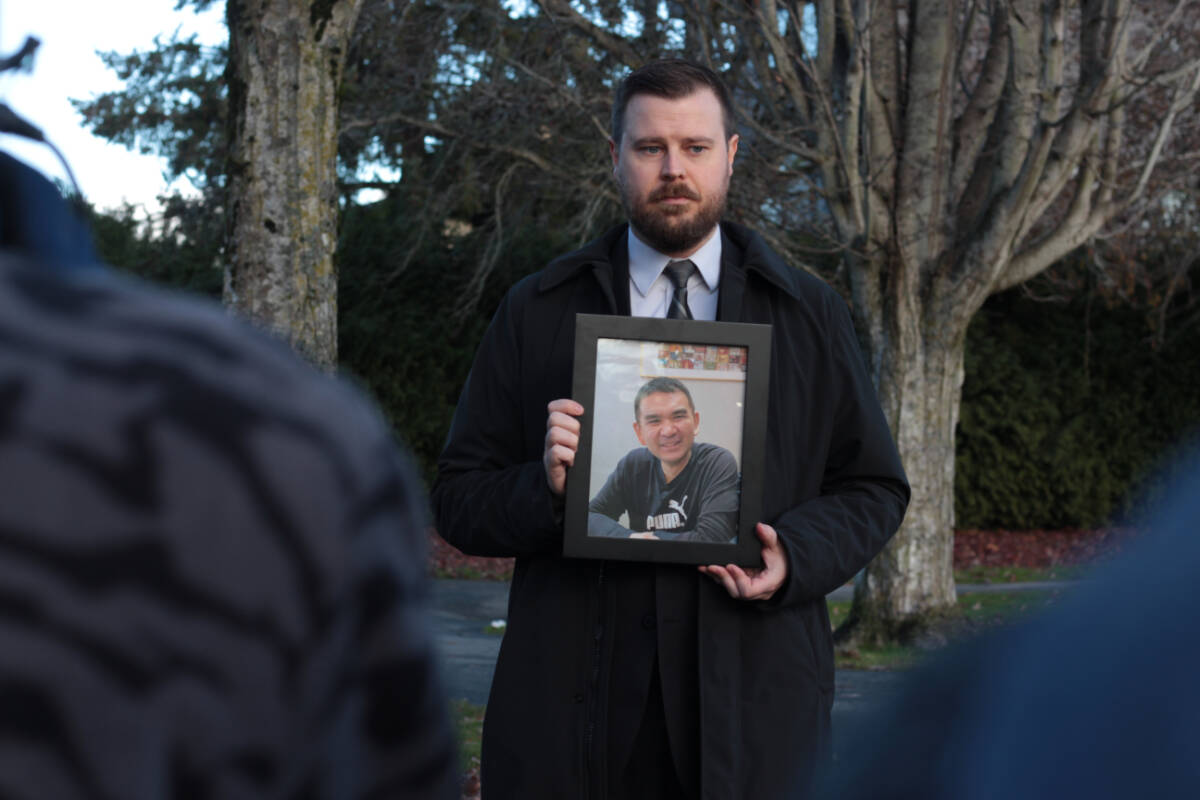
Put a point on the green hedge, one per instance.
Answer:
(1068, 413)
(399, 329)
(1067, 409)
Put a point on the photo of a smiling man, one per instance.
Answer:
(672, 488)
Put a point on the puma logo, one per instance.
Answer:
(677, 505)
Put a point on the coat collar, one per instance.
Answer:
(743, 251)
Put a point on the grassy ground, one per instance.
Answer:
(982, 574)
(470, 572)
(978, 610)
(468, 720)
(991, 608)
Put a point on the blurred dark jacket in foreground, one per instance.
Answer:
(35, 222)
(211, 559)
(1098, 698)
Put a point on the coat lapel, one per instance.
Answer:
(733, 280)
(613, 276)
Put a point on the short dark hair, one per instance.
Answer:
(671, 78)
(664, 385)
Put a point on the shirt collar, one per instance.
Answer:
(646, 263)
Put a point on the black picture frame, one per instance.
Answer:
(746, 349)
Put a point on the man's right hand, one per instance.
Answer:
(562, 440)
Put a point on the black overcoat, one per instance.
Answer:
(834, 490)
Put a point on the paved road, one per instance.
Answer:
(463, 610)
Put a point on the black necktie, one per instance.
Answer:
(678, 273)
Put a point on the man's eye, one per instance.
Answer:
(697, 149)
(651, 150)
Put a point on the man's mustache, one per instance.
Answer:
(667, 193)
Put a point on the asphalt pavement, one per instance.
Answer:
(463, 613)
(464, 610)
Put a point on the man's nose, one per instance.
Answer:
(672, 164)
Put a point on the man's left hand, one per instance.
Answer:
(646, 535)
(754, 583)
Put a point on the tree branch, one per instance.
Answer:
(1183, 96)
(923, 220)
(1139, 60)
(882, 130)
(441, 130)
(619, 47)
(1021, 156)
(561, 91)
(970, 134)
(1074, 232)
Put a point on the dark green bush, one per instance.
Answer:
(399, 329)
(1067, 413)
(181, 249)
(1068, 409)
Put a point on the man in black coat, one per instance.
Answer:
(631, 680)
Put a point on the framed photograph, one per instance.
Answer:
(670, 458)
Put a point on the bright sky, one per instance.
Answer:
(66, 66)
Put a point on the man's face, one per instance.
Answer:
(673, 165)
(667, 426)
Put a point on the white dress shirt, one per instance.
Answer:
(650, 291)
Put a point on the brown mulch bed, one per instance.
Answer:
(971, 548)
(447, 561)
(1035, 548)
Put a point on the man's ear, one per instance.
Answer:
(614, 151)
(732, 148)
(637, 430)
(696, 421)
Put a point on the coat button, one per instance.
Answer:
(648, 622)
(578, 697)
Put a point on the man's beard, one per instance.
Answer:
(672, 229)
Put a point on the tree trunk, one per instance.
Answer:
(909, 586)
(915, 336)
(285, 65)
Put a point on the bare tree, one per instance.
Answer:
(961, 149)
(284, 70)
